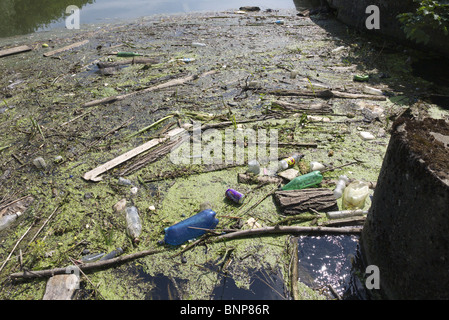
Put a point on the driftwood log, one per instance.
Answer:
(317, 108)
(297, 201)
(324, 94)
(135, 60)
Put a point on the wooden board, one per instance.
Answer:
(11, 51)
(93, 175)
(74, 45)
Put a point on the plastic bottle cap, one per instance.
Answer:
(18, 213)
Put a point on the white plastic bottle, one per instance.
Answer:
(134, 223)
(8, 220)
(341, 184)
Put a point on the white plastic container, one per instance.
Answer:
(345, 213)
(355, 194)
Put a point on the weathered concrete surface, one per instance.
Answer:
(61, 287)
(406, 230)
(353, 13)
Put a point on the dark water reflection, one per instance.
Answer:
(26, 16)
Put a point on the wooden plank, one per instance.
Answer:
(93, 175)
(15, 50)
(73, 45)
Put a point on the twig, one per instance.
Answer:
(84, 267)
(87, 278)
(15, 246)
(287, 230)
(149, 127)
(45, 223)
(294, 270)
(171, 83)
(80, 116)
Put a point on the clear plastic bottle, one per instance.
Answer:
(355, 195)
(92, 257)
(134, 224)
(289, 162)
(254, 166)
(190, 228)
(341, 185)
(112, 254)
(306, 180)
(8, 220)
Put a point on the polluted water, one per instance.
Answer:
(332, 263)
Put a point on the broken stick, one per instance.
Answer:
(84, 267)
(287, 230)
(171, 83)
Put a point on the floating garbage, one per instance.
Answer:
(92, 257)
(345, 213)
(134, 224)
(374, 91)
(190, 228)
(253, 166)
(187, 60)
(198, 44)
(234, 196)
(290, 161)
(112, 254)
(355, 194)
(40, 163)
(7, 220)
(341, 185)
(316, 166)
(280, 22)
(307, 180)
(366, 135)
(128, 54)
(360, 78)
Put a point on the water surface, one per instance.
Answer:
(18, 17)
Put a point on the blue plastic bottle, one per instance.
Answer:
(179, 233)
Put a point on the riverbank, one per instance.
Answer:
(243, 64)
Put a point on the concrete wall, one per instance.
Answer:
(406, 233)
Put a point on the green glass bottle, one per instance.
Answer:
(304, 181)
(127, 54)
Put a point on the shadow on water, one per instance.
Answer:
(263, 286)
